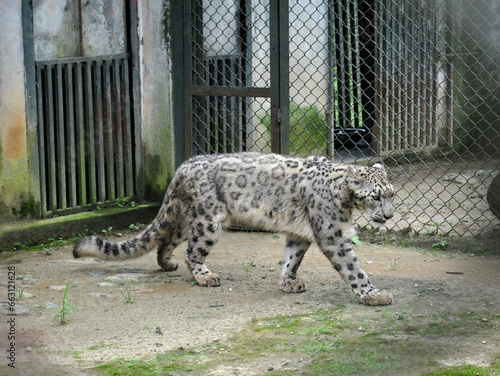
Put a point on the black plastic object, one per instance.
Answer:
(493, 196)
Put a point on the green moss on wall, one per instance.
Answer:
(26, 209)
(166, 23)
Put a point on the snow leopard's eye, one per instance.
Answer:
(377, 198)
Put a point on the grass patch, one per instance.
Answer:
(332, 342)
(175, 361)
(468, 370)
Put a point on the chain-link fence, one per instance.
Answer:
(413, 82)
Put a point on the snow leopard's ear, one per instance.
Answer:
(379, 165)
(352, 176)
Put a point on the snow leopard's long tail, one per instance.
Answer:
(156, 234)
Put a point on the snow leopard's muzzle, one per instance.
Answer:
(382, 211)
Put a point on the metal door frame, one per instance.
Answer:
(185, 89)
(37, 174)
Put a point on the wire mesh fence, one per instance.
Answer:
(413, 82)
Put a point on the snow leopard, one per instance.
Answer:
(306, 199)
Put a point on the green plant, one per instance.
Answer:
(441, 244)
(401, 315)
(53, 242)
(394, 265)
(322, 346)
(75, 354)
(250, 265)
(128, 298)
(20, 292)
(356, 240)
(308, 129)
(18, 246)
(66, 307)
(107, 232)
(434, 231)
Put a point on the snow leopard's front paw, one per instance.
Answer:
(207, 280)
(379, 298)
(292, 285)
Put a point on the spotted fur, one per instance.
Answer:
(306, 199)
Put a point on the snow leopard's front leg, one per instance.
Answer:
(295, 250)
(339, 251)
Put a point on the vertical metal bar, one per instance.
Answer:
(179, 45)
(51, 142)
(415, 22)
(392, 104)
(274, 68)
(99, 136)
(127, 131)
(70, 134)
(118, 109)
(198, 74)
(212, 128)
(330, 106)
(358, 95)
(341, 67)
(41, 139)
(32, 133)
(349, 69)
(404, 61)
(80, 136)
(134, 51)
(247, 77)
(108, 133)
(89, 107)
(187, 80)
(433, 86)
(226, 129)
(80, 28)
(420, 37)
(61, 136)
(284, 62)
(235, 106)
(279, 61)
(379, 79)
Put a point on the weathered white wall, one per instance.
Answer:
(156, 94)
(55, 25)
(56, 36)
(56, 28)
(103, 27)
(14, 174)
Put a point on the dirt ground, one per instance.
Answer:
(169, 312)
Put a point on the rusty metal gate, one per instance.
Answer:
(306, 76)
(412, 82)
(228, 85)
(85, 101)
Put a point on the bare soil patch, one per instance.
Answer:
(132, 310)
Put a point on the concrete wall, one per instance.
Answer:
(156, 98)
(14, 169)
(56, 28)
(55, 37)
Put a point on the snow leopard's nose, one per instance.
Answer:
(388, 210)
(388, 213)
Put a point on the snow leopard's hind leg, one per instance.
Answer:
(203, 236)
(295, 250)
(166, 248)
(170, 232)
